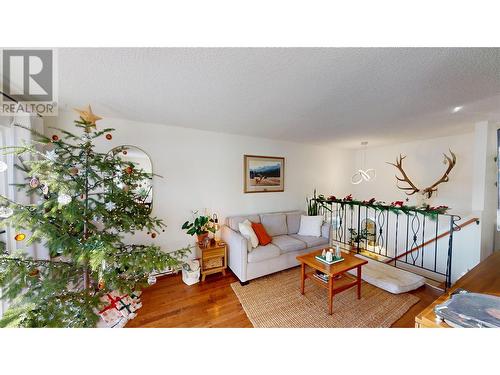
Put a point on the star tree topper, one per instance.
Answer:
(88, 116)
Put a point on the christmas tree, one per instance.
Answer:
(85, 202)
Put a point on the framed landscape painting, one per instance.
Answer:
(264, 174)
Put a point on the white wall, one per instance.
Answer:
(424, 165)
(485, 193)
(469, 193)
(203, 170)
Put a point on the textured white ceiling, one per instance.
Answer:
(321, 95)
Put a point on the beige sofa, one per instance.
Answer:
(280, 254)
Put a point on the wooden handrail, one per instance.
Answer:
(468, 222)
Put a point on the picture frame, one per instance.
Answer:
(263, 174)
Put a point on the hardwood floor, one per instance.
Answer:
(171, 303)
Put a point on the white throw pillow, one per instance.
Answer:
(310, 226)
(247, 231)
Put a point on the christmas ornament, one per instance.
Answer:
(73, 171)
(51, 155)
(34, 272)
(5, 212)
(129, 170)
(88, 116)
(153, 235)
(55, 138)
(110, 206)
(34, 182)
(45, 189)
(124, 152)
(101, 284)
(19, 237)
(151, 280)
(3, 166)
(109, 137)
(63, 199)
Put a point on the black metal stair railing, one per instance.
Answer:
(409, 239)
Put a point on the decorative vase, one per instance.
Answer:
(201, 238)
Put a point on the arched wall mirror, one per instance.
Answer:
(371, 231)
(141, 160)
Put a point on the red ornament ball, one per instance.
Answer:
(129, 170)
(153, 235)
(109, 137)
(34, 272)
(55, 138)
(124, 152)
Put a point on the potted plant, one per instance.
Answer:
(200, 226)
(357, 238)
(312, 205)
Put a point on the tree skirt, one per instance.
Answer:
(275, 301)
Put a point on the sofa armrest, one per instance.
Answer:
(238, 252)
(325, 230)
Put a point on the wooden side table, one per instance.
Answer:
(483, 278)
(213, 259)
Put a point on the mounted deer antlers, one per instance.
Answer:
(412, 188)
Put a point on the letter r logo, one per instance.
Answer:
(28, 75)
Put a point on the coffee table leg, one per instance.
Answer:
(330, 295)
(302, 277)
(359, 282)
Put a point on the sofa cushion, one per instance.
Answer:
(275, 224)
(233, 221)
(261, 233)
(310, 225)
(288, 243)
(293, 221)
(261, 253)
(311, 241)
(247, 231)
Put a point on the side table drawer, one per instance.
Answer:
(211, 253)
(214, 262)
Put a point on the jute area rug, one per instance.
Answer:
(275, 301)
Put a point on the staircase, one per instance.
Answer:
(410, 239)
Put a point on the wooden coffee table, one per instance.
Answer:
(345, 281)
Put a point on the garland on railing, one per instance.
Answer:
(397, 207)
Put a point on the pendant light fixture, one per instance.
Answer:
(363, 174)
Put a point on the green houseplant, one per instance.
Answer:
(200, 226)
(312, 205)
(356, 238)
